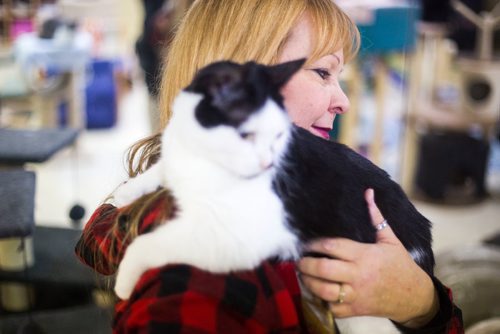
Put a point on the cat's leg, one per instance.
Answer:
(141, 255)
(167, 244)
(138, 186)
(193, 241)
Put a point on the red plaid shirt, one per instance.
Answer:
(184, 299)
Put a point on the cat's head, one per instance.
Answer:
(241, 123)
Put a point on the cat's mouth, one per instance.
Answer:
(321, 132)
(260, 172)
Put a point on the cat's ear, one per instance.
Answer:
(281, 73)
(219, 81)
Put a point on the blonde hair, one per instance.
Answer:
(248, 30)
(237, 30)
(240, 30)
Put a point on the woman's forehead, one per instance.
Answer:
(306, 40)
(336, 58)
(299, 42)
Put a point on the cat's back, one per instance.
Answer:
(329, 180)
(315, 160)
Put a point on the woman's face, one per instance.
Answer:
(313, 97)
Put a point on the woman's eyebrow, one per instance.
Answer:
(338, 63)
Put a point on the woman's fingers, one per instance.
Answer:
(349, 250)
(339, 248)
(341, 297)
(342, 310)
(378, 279)
(384, 231)
(331, 292)
(327, 269)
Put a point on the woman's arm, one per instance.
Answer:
(378, 279)
(105, 236)
(93, 248)
(448, 319)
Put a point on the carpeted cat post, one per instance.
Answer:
(17, 225)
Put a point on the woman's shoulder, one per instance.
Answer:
(106, 234)
(94, 243)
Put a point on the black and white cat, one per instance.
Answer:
(249, 185)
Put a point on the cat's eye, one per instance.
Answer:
(323, 73)
(250, 136)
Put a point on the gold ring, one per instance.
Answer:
(341, 294)
(382, 225)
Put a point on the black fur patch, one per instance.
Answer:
(322, 185)
(233, 92)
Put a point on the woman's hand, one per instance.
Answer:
(378, 279)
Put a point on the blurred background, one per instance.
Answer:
(78, 87)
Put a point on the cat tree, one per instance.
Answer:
(476, 106)
(480, 72)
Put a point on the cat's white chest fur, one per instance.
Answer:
(228, 219)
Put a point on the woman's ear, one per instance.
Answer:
(281, 73)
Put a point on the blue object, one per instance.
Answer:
(101, 101)
(394, 29)
(62, 113)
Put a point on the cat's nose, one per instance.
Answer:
(266, 163)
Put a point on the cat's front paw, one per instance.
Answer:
(130, 270)
(123, 287)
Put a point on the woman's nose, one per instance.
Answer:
(339, 102)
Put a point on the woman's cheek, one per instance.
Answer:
(299, 115)
(302, 102)
(292, 105)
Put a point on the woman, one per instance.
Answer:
(378, 279)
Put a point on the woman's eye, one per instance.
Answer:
(324, 74)
(250, 136)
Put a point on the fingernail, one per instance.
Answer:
(328, 245)
(371, 195)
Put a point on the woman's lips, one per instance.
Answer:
(322, 132)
